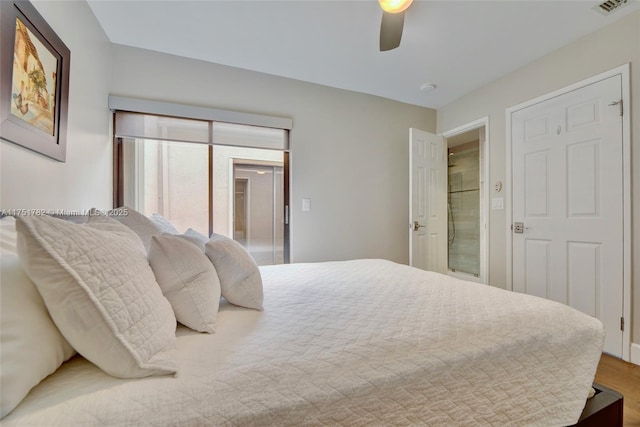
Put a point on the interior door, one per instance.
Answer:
(568, 203)
(428, 201)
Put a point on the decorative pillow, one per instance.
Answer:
(31, 347)
(101, 293)
(195, 237)
(163, 224)
(116, 228)
(140, 224)
(188, 280)
(240, 279)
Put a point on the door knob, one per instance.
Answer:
(416, 226)
(519, 228)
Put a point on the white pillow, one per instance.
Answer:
(188, 280)
(195, 237)
(163, 224)
(31, 347)
(101, 293)
(140, 224)
(240, 279)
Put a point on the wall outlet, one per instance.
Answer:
(306, 205)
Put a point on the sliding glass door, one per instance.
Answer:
(235, 190)
(258, 211)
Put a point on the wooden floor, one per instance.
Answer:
(625, 378)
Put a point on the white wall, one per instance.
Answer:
(349, 151)
(30, 180)
(603, 50)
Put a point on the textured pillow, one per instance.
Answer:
(31, 347)
(188, 280)
(101, 293)
(140, 224)
(195, 237)
(240, 279)
(163, 224)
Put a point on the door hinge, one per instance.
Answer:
(622, 324)
(620, 104)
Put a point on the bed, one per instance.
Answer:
(350, 343)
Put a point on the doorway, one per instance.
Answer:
(467, 192)
(463, 204)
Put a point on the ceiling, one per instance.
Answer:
(457, 45)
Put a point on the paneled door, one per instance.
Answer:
(427, 201)
(567, 177)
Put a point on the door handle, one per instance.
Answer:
(519, 228)
(416, 226)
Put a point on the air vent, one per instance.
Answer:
(609, 6)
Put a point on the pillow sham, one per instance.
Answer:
(101, 293)
(240, 279)
(31, 346)
(188, 280)
(195, 237)
(140, 224)
(163, 224)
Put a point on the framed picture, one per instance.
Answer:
(34, 81)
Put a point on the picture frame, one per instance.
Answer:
(34, 81)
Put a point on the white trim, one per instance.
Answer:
(484, 192)
(146, 106)
(624, 72)
(507, 202)
(635, 354)
(410, 196)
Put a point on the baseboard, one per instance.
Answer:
(635, 354)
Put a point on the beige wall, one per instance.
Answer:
(349, 151)
(30, 180)
(603, 50)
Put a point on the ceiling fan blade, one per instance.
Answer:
(391, 30)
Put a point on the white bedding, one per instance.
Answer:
(365, 342)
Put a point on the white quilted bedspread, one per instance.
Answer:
(354, 343)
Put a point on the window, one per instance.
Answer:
(170, 178)
(223, 178)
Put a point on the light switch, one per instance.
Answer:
(306, 205)
(497, 204)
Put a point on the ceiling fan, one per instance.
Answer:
(392, 22)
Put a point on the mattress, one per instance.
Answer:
(353, 343)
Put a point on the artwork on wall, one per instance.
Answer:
(35, 81)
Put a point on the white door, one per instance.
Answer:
(568, 203)
(428, 201)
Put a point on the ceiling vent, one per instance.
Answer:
(609, 6)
